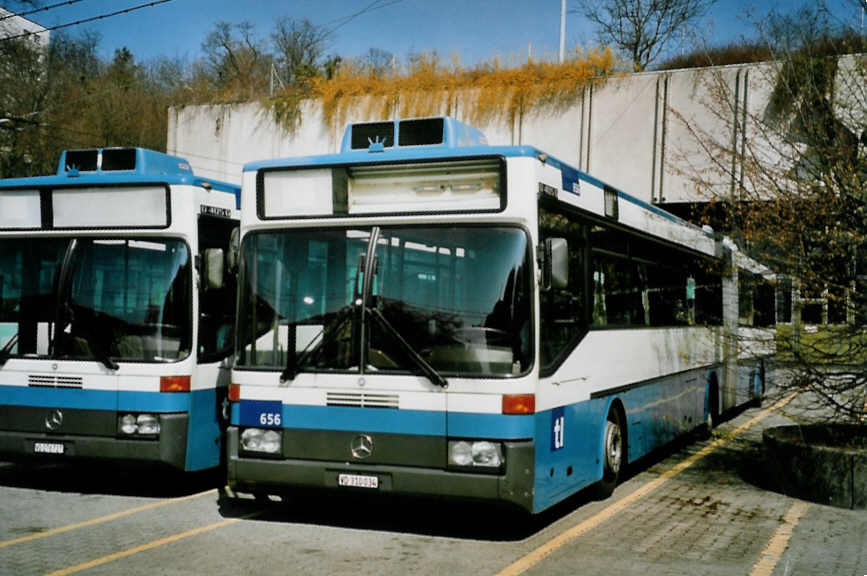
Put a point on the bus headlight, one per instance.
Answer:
(128, 425)
(259, 440)
(478, 453)
(140, 424)
(148, 424)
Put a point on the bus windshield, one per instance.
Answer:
(95, 298)
(457, 296)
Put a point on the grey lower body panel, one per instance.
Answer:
(279, 475)
(169, 448)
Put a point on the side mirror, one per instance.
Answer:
(555, 266)
(233, 256)
(213, 269)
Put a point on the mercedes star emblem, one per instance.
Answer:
(54, 420)
(362, 446)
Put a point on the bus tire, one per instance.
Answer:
(712, 417)
(757, 400)
(613, 452)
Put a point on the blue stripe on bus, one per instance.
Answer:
(153, 401)
(568, 443)
(94, 399)
(204, 434)
(382, 420)
(361, 157)
(655, 414)
(417, 422)
(496, 426)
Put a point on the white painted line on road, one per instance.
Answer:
(102, 519)
(535, 556)
(778, 543)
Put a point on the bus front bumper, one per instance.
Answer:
(168, 448)
(278, 475)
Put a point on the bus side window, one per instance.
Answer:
(216, 306)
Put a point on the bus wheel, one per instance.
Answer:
(614, 453)
(759, 385)
(712, 417)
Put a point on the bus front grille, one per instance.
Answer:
(362, 400)
(51, 381)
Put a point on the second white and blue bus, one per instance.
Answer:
(117, 310)
(422, 313)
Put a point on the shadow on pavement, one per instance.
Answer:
(101, 478)
(431, 516)
(389, 513)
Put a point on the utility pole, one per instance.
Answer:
(563, 28)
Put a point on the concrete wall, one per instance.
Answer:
(651, 135)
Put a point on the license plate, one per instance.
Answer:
(48, 448)
(357, 481)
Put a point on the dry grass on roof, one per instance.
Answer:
(487, 92)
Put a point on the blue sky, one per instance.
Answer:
(475, 30)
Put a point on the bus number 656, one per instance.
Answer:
(269, 419)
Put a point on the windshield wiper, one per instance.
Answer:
(6, 351)
(294, 362)
(98, 348)
(103, 356)
(422, 364)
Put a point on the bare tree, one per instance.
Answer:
(237, 61)
(796, 157)
(299, 49)
(641, 28)
(378, 63)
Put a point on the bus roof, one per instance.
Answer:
(101, 166)
(441, 138)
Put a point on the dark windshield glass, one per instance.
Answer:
(294, 284)
(127, 299)
(459, 296)
(28, 269)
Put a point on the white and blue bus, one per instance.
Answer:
(117, 310)
(423, 313)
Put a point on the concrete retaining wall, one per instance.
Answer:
(649, 134)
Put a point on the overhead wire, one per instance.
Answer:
(344, 20)
(35, 10)
(334, 25)
(86, 20)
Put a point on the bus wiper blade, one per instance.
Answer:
(6, 352)
(425, 367)
(106, 361)
(99, 349)
(326, 335)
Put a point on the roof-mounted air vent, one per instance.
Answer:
(422, 132)
(80, 160)
(379, 136)
(118, 159)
